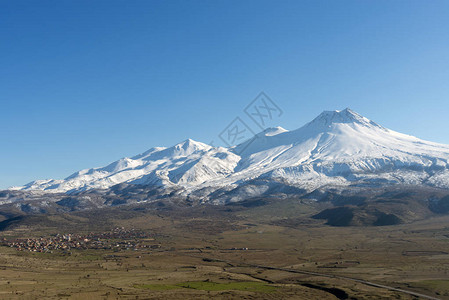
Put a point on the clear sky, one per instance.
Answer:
(83, 83)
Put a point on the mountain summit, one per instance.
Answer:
(326, 118)
(337, 148)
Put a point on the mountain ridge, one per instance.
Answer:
(337, 148)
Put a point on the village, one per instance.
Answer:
(118, 239)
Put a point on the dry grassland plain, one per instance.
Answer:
(273, 251)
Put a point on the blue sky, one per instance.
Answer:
(83, 83)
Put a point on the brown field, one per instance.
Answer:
(271, 251)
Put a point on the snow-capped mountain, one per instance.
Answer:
(338, 148)
(187, 163)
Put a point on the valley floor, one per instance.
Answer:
(263, 252)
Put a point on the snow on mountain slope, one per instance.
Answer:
(341, 145)
(336, 148)
(189, 161)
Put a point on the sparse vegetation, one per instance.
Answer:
(217, 251)
(212, 286)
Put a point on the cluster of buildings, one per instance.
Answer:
(116, 239)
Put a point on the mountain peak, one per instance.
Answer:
(327, 118)
(273, 131)
(190, 146)
(191, 143)
(186, 147)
